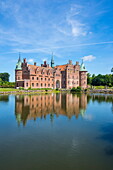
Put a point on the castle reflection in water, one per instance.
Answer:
(39, 106)
(32, 107)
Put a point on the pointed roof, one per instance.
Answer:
(19, 64)
(52, 61)
(82, 67)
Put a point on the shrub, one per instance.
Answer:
(76, 90)
(21, 88)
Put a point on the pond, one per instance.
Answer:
(56, 132)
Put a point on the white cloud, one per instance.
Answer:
(31, 60)
(74, 19)
(88, 58)
(78, 28)
(44, 59)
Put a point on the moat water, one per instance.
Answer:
(56, 132)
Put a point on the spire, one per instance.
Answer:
(19, 60)
(19, 64)
(52, 60)
(82, 67)
(82, 61)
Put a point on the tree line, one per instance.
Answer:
(100, 80)
(4, 81)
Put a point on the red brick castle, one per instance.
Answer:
(62, 76)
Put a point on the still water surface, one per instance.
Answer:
(56, 132)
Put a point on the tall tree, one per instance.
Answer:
(5, 76)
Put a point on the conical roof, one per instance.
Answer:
(19, 64)
(82, 67)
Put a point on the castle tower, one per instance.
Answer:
(52, 61)
(18, 72)
(83, 76)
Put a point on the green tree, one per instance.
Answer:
(5, 76)
(89, 79)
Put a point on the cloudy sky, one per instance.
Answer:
(71, 29)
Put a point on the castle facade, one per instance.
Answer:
(62, 76)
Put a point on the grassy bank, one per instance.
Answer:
(31, 91)
(99, 89)
(7, 89)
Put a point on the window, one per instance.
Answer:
(41, 78)
(32, 84)
(48, 85)
(41, 85)
(45, 78)
(18, 78)
(45, 85)
(77, 82)
(26, 84)
(37, 78)
(48, 79)
(36, 84)
(32, 78)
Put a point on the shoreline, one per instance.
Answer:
(22, 92)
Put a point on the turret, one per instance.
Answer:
(18, 72)
(19, 64)
(82, 67)
(83, 76)
(52, 61)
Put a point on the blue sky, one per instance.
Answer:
(71, 29)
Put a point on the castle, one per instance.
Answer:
(61, 76)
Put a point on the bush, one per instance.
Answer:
(76, 90)
(21, 88)
(5, 84)
(57, 89)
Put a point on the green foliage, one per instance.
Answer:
(7, 89)
(100, 80)
(4, 76)
(89, 78)
(76, 90)
(21, 88)
(6, 84)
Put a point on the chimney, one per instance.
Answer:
(44, 63)
(77, 63)
(34, 63)
(70, 62)
(24, 60)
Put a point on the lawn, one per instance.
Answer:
(7, 89)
